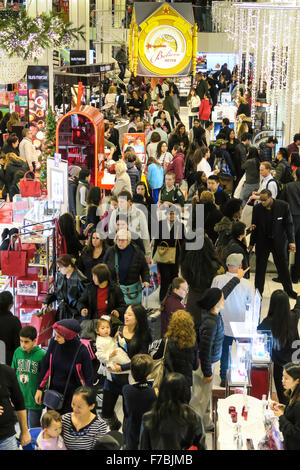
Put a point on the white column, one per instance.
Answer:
(36, 7)
(80, 15)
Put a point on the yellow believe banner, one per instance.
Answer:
(162, 40)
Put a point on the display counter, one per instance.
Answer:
(221, 111)
(253, 428)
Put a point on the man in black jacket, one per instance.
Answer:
(291, 194)
(273, 229)
(10, 327)
(240, 154)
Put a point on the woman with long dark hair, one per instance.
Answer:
(93, 202)
(289, 415)
(172, 424)
(173, 301)
(178, 137)
(134, 337)
(67, 226)
(198, 268)
(92, 254)
(283, 324)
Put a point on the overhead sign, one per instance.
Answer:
(162, 40)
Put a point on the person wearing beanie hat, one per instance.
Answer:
(211, 335)
(235, 306)
(58, 360)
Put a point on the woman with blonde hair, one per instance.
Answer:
(110, 97)
(242, 126)
(14, 119)
(181, 350)
(122, 182)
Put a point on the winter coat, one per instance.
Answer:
(205, 110)
(57, 363)
(133, 175)
(194, 102)
(172, 303)
(222, 159)
(115, 301)
(155, 176)
(237, 246)
(169, 105)
(122, 183)
(289, 425)
(177, 167)
(175, 139)
(283, 170)
(138, 267)
(170, 435)
(86, 262)
(223, 229)
(212, 215)
(15, 164)
(211, 333)
(10, 327)
(291, 194)
(183, 361)
(266, 153)
(67, 293)
(72, 189)
(240, 158)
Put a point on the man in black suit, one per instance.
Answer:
(273, 229)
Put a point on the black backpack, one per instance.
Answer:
(288, 174)
(279, 187)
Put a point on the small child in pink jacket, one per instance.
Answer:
(50, 438)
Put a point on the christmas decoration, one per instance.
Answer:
(27, 37)
(48, 147)
(270, 33)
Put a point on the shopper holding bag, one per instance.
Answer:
(128, 266)
(66, 366)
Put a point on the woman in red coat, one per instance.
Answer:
(204, 110)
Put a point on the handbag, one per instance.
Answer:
(14, 263)
(158, 370)
(53, 399)
(195, 109)
(133, 292)
(30, 188)
(166, 254)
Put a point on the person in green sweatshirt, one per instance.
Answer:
(27, 362)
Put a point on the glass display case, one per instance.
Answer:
(80, 140)
(261, 348)
(239, 363)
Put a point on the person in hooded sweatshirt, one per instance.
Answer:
(10, 326)
(58, 361)
(177, 165)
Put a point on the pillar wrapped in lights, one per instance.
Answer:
(275, 54)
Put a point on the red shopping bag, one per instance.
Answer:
(14, 263)
(43, 323)
(30, 188)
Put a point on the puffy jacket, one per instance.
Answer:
(171, 434)
(122, 183)
(133, 175)
(115, 301)
(138, 266)
(177, 167)
(284, 172)
(265, 153)
(211, 333)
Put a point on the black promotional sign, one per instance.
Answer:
(38, 77)
(77, 57)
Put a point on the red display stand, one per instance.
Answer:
(80, 140)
